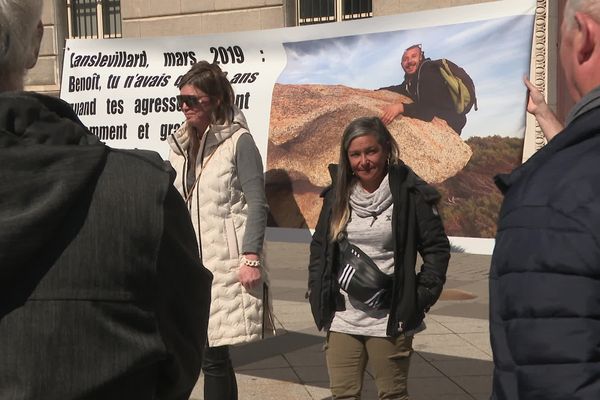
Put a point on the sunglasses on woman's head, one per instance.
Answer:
(189, 100)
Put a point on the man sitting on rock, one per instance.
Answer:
(425, 85)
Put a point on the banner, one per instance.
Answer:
(299, 87)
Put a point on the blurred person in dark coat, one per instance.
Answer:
(544, 286)
(102, 292)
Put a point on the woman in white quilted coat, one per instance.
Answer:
(220, 176)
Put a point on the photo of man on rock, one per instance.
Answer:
(328, 82)
(425, 84)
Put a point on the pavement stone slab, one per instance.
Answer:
(313, 375)
(423, 370)
(277, 362)
(461, 324)
(310, 356)
(460, 368)
(438, 386)
(480, 385)
(479, 340)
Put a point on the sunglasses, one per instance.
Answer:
(189, 100)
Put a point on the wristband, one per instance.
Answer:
(250, 263)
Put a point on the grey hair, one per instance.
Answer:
(19, 40)
(589, 7)
(344, 180)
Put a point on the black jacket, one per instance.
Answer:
(431, 98)
(416, 226)
(102, 293)
(545, 273)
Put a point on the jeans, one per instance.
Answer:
(219, 377)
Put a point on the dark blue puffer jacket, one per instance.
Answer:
(545, 274)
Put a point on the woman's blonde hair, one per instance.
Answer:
(210, 79)
(345, 179)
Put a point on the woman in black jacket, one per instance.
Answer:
(380, 205)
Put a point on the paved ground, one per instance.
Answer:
(452, 359)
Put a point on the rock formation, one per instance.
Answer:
(307, 122)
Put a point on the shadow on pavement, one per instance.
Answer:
(286, 342)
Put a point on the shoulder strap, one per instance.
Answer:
(204, 164)
(343, 243)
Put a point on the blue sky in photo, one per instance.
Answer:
(495, 53)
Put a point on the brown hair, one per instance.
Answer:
(210, 79)
(344, 181)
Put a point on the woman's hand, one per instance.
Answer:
(249, 276)
(390, 112)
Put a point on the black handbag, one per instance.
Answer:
(361, 278)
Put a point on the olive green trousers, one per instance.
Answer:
(347, 357)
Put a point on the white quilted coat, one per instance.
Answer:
(219, 211)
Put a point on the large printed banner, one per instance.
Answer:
(300, 87)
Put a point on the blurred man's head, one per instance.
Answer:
(20, 35)
(580, 46)
(411, 59)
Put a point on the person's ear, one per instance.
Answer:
(585, 39)
(35, 46)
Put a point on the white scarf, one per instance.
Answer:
(366, 204)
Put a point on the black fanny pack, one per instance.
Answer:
(361, 278)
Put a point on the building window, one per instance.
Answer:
(320, 11)
(94, 19)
